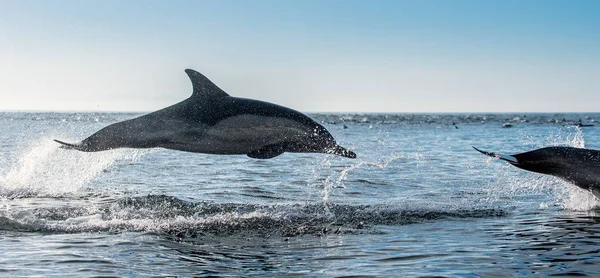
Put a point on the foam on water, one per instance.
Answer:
(165, 214)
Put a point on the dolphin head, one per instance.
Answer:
(321, 141)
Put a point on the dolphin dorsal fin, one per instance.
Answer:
(202, 86)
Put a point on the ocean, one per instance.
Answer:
(418, 201)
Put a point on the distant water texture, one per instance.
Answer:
(418, 201)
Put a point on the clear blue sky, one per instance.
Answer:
(326, 55)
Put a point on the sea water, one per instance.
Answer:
(418, 201)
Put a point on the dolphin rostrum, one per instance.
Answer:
(578, 166)
(211, 121)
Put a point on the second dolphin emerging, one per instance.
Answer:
(578, 166)
(211, 121)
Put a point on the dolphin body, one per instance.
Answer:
(578, 166)
(211, 121)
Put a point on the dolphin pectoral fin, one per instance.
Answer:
(266, 152)
(508, 158)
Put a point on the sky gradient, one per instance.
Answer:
(313, 56)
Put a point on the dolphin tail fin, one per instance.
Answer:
(69, 146)
(508, 158)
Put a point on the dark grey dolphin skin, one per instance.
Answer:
(578, 166)
(211, 121)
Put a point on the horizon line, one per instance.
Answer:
(308, 112)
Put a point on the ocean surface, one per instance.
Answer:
(418, 201)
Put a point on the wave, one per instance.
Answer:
(170, 215)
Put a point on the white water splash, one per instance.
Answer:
(571, 197)
(569, 136)
(567, 196)
(46, 170)
(98, 222)
(576, 199)
(337, 179)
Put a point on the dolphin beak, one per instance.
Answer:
(343, 152)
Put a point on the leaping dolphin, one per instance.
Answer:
(211, 121)
(578, 166)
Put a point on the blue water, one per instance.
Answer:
(418, 201)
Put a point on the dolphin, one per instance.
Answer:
(578, 166)
(213, 122)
